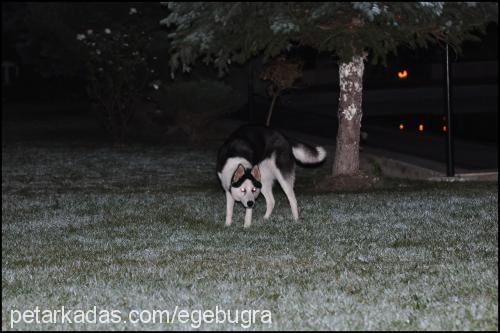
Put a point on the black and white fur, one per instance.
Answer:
(252, 158)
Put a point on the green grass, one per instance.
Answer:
(142, 228)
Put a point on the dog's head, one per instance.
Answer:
(246, 185)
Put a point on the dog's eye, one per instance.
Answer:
(243, 189)
(254, 189)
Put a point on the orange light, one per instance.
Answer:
(403, 74)
(421, 127)
(444, 128)
(401, 126)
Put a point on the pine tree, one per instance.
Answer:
(226, 32)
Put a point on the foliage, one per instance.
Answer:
(121, 71)
(282, 73)
(235, 31)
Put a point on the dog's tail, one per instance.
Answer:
(307, 154)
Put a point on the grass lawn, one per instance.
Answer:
(143, 228)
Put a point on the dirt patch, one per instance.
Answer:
(348, 183)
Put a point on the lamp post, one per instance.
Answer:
(448, 112)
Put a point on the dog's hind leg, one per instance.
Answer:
(267, 170)
(229, 208)
(287, 186)
(267, 192)
(248, 218)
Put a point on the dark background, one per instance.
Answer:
(50, 86)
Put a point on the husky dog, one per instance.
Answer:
(252, 158)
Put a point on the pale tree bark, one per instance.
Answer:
(351, 89)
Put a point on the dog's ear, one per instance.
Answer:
(256, 173)
(240, 172)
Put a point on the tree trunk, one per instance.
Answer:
(270, 112)
(349, 113)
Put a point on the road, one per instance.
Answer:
(476, 109)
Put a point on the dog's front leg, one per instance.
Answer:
(229, 208)
(248, 218)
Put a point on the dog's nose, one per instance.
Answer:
(250, 204)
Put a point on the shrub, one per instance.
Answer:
(121, 72)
